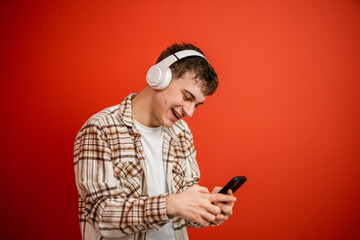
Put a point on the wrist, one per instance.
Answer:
(170, 205)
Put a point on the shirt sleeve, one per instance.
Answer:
(102, 202)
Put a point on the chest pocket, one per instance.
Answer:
(131, 175)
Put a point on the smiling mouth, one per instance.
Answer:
(175, 113)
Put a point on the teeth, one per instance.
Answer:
(176, 114)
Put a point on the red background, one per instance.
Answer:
(286, 113)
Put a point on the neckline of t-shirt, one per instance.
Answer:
(148, 129)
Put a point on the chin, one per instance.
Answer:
(168, 123)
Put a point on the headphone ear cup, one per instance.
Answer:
(153, 76)
(156, 80)
(167, 78)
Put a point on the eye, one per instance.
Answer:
(186, 98)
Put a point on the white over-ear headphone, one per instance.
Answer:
(159, 75)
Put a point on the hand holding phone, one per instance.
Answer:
(233, 184)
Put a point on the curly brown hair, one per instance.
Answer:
(204, 72)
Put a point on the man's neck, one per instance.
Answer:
(142, 107)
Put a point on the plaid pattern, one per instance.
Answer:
(111, 178)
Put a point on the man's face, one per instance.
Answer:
(178, 100)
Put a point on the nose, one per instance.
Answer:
(188, 109)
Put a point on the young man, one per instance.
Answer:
(135, 164)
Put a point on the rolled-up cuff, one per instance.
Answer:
(156, 210)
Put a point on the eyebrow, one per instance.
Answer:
(193, 97)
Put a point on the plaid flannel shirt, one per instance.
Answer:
(111, 177)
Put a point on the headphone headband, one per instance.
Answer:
(159, 75)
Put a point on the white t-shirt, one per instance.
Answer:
(151, 140)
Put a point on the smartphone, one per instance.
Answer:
(234, 184)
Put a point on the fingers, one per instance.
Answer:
(200, 189)
(216, 189)
(208, 217)
(226, 212)
(218, 197)
(202, 222)
(220, 218)
(226, 209)
(215, 210)
(196, 204)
